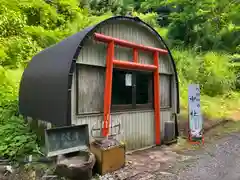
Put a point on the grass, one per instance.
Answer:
(215, 109)
(220, 131)
(209, 137)
(218, 107)
(221, 107)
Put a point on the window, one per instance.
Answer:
(132, 89)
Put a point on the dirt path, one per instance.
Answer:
(218, 161)
(145, 164)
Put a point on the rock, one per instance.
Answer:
(73, 167)
(9, 169)
(5, 169)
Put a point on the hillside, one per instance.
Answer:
(203, 36)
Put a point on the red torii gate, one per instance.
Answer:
(111, 61)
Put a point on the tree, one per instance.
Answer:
(206, 24)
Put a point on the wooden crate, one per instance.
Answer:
(108, 160)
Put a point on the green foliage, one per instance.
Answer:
(42, 37)
(235, 65)
(17, 50)
(148, 4)
(118, 7)
(183, 59)
(15, 136)
(27, 26)
(9, 84)
(149, 18)
(216, 76)
(208, 25)
(211, 70)
(11, 23)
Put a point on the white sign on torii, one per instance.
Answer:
(194, 111)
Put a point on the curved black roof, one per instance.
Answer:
(45, 88)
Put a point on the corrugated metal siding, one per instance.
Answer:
(94, 53)
(91, 120)
(164, 65)
(137, 127)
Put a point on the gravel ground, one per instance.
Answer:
(219, 161)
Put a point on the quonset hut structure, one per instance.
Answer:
(118, 69)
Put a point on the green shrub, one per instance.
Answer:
(216, 75)
(9, 85)
(210, 70)
(150, 18)
(40, 13)
(162, 32)
(16, 139)
(11, 23)
(19, 51)
(188, 63)
(42, 37)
